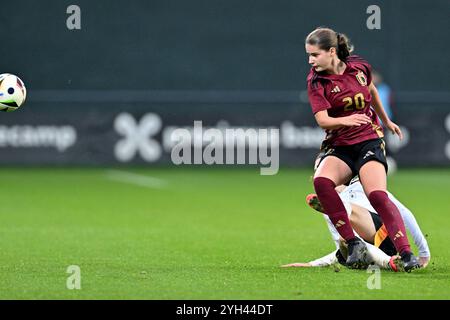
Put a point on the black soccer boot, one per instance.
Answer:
(357, 254)
(410, 261)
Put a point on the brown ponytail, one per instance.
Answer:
(344, 48)
(326, 38)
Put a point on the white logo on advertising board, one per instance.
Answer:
(137, 137)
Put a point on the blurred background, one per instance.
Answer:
(137, 70)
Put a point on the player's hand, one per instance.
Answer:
(355, 120)
(395, 129)
(424, 261)
(298, 264)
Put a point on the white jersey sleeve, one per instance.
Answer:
(327, 260)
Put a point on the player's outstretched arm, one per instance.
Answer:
(297, 264)
(324, 261)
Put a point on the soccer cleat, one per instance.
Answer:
(410, 262)
(343, 249)
(357, 254)
(313, 201)
(341, 258)
(396, 264)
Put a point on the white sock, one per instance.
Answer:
(378, 257)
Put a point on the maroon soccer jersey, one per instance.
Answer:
(344, 95)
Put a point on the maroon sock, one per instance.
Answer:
(333, 207)
(392, 220)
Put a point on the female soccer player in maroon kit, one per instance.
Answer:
(345, 103)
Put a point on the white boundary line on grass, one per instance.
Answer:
(136, 179)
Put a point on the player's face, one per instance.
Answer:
(319, 59)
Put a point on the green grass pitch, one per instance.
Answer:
(218, 233)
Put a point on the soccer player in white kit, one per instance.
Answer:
(368, 226)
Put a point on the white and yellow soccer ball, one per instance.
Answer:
(12, 92)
